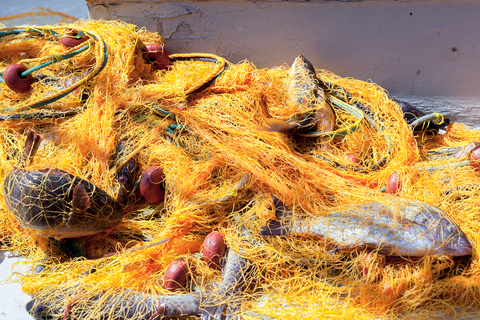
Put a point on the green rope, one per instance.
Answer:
(437, 167)
(345, 96)
(55, 59)
(176, 127)
(443, 152)
(160, 111)
(18, 31)
(436, 118)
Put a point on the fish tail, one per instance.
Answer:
(280, 210)
(275, 125)
(212, 312)
(277, 227)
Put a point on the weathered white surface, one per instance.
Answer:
(12, 299)
(423, 52)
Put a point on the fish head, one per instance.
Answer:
(445, 236)
(410, 113)
(451, 240)
(432, 231)
(302, 62)
(43, 310)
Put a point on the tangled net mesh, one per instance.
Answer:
(220, 173)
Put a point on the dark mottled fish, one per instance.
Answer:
(55, 203)
(304, 93)
(403, 228)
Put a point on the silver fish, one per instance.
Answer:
(402, 228)
(304, 92)
(236, 271)
(128, 305)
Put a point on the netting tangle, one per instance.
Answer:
(204, 189)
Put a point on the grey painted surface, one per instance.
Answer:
(424, 52)
(12, 299)
(74, 8)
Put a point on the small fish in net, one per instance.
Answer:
(306, 101)
(55, 203)
(410, 228)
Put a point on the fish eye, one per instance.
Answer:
(122, 180)
(452, 230)
(40, 308)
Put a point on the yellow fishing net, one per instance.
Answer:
(201, 121)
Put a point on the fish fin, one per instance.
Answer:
(32, 143)
(325, 119)
(233, 311)
(275, 125)
(80, 203)
(280, 210)
(80, 198)
(274, 228)
(212, 312)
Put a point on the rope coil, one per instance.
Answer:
(101, 57)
